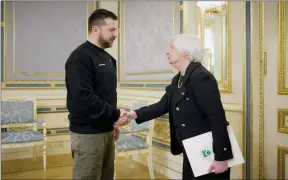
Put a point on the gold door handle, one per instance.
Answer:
(265, 63)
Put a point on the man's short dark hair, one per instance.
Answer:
(97, 18)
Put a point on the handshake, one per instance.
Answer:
(125, 117)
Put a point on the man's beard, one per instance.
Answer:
(104, 43)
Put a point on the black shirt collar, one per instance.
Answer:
(93, 47)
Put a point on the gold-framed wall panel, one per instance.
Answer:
(282, 72)
(282, 114)
(14, 47)
(122, 51)
(28, 84)
(147, 85)
(281, 164)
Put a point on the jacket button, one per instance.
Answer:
(177, 109)
(225, 149)
(182, 93)
(187, 99)
(183, 125)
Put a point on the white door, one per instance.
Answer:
(275, 46)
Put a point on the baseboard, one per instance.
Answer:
(27, 164)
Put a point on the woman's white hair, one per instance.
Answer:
(190, 44)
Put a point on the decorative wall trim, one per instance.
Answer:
(57, 131)
(282, 71)
(157, 142)
(160, 142)
(281, 164)
(162, 130)
(261, 90)
(282, 122)
(51, 109)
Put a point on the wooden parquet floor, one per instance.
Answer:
(123, 170)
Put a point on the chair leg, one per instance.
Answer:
(34, 153)
(150, 165)
(132, 166)
(44, 157)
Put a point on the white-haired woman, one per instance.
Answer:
(194, 106)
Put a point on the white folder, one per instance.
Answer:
(199, 151)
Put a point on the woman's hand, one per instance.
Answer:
(218, 167)
(131, 115)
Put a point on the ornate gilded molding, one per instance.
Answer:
(51, 109)
(282, 89)
(261, 90)
(162, 129)
(282, 122)
(281, 153)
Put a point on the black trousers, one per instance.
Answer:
(187, 173)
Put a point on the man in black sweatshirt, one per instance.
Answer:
(91, 84)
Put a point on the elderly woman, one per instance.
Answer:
(194, 106)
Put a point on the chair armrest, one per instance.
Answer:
(41, 122)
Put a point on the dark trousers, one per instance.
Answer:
(187, 173)
(93, 156)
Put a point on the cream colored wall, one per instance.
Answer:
(164, 162)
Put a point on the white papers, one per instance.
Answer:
(199, 151)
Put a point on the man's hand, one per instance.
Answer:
(218, 167)
(116, 133)
(123, 119)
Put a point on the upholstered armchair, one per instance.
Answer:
(19, 114)
(136, 139)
